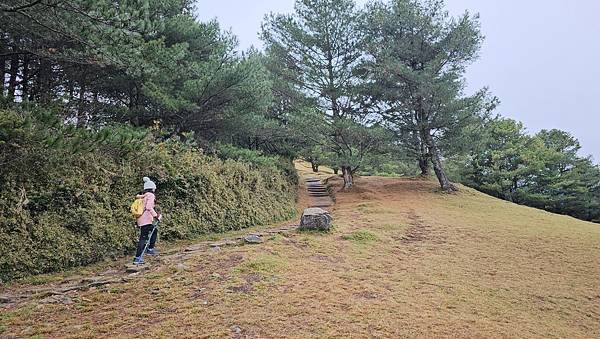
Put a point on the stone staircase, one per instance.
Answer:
(318, 193)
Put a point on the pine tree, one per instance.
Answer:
(319, 48)
(418, 56)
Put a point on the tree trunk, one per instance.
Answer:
(424, 155)
(34, 75)
(71, 90)
(82, 104)
(25, 80)
(3, 71)
(348, 177)
(436, 159)
(12, 81)
(315, 167)
(45, 81)
(424, 166)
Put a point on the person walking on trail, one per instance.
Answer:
(145, 222)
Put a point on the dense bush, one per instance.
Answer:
(258, 159)
(65, 202)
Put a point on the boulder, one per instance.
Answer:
(315, 219)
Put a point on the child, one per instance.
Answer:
(145, 222)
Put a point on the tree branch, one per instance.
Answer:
(18, 8)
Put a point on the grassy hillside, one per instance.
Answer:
(403, 260)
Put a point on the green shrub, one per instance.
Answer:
(390, 168)
(63, 206)
(258, 158)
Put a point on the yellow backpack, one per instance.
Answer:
(137, 208)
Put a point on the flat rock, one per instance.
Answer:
(236, 329)
(90, 280)
(195, 248)
(58, 299)
(181, 267)
(5, 299)
(132, 268)
(130, 277)
(253, 239)
(316, 219)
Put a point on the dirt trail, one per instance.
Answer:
(62, 290)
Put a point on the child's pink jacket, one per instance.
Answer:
(149, 212)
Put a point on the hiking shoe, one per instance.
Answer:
(138, 261)
(152, 251)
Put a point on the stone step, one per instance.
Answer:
(323, 205)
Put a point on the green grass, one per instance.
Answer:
(264, 264)
(361, 237)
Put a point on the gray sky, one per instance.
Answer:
(540, 57)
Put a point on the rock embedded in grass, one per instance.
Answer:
(181, 267)
(315, 219)
(132, 268)
(58, 299)
(253, 239)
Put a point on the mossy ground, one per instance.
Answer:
(402, 261)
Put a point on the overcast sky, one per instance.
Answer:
(540, 57)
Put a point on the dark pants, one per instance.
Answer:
(144, 234)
